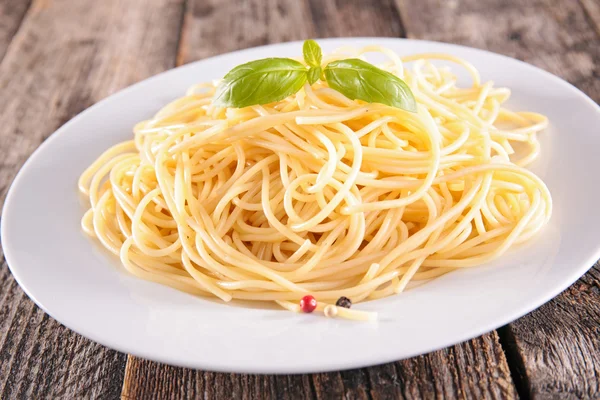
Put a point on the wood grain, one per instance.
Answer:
(66, 55)
(355, 18)
(555, 350)
(592, 8)
(475, 369)
(11, 15)
(557, 36)
(219, 26)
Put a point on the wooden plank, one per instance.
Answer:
(356, 18)
(592, 8)
(555, 349)
(554, 35)
(219, 26)
(67, 55)
(11, 15)
(144, 379)
(474, 369)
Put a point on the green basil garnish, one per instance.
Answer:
(314, 73)
(312, 53)
(260, 82)
(273, 79)
(357, 79)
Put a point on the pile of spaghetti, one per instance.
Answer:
(319, 194)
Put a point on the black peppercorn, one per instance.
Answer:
(344, 302)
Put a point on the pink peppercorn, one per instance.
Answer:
(308, 303)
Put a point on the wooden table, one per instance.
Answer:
(58, 57)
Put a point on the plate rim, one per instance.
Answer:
(575, 274)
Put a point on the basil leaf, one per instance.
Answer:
(357, 79)
(260, 82)
(314, 73)
(312, 53)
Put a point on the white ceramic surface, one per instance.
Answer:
(86, 289)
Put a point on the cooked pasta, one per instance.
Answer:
(319, 194)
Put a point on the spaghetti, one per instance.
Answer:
(318, 194)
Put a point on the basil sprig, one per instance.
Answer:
(260, 82)
(312, 56)
(273, 79)
(314, 73)
(312, 53)
(357, 79)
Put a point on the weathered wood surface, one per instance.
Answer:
(555, 350)
(11, 15)
(219, 26)
(65, 56)
(592, 8)
(474, 369)
(72, 53)
(556, 35)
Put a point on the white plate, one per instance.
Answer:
(86, 289)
